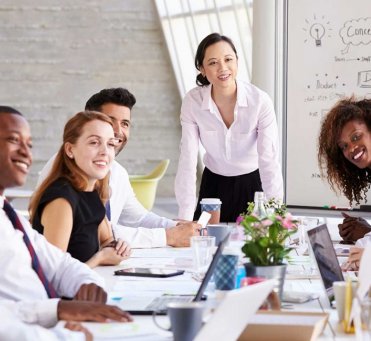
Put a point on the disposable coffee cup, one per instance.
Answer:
(212, 205)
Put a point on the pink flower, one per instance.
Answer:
(267, 222)
(239, 219)
(287, 222)
(288, 216)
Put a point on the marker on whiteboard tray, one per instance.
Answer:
(340, 208)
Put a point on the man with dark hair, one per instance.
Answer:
(34, 273)
(103, 100)
(119, 96)
(8, 110)
(124, 210)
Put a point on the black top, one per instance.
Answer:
(88, 212)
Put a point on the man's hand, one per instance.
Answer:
(181, 221)
(91, 292)
(89, 311)
(179, 235)
(78, 327)
(353, 228)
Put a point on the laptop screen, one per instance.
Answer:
(211, 269)
(326, 259)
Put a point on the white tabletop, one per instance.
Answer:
(143, 328)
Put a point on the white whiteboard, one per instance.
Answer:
(328, 57)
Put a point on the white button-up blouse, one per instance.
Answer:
(250, 143)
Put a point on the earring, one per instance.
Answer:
(70, 156)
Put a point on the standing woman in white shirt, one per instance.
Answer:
(236, 124)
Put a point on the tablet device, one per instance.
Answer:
(149, 272)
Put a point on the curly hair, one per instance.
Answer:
(341, 173)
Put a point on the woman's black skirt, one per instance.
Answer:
(234, 192)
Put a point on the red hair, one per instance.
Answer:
(64, 167)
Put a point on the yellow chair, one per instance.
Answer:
(145, 186)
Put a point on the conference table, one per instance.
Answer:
(301, 277)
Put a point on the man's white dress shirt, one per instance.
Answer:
(127, 212)
(12, 328)
(20, 283)
(250, 143)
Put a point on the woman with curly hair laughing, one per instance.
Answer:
(344, 156)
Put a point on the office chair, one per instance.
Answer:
(145, 186)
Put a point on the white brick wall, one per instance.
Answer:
(56, 54)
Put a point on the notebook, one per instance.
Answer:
(233, 314)
(158, 304)
(325, 255)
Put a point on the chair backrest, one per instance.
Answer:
(159, 171)
(145, 186)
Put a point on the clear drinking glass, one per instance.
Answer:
(305, 224)
(202, 250)
(366, 319)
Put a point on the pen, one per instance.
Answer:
(113, 233)
(347, 323)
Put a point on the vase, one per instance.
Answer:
(276, 272)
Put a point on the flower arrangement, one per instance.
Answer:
(265, 237)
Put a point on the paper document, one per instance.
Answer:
(114, 330)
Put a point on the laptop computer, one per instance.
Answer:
(233, 314)
(147, 305)
(325, 255)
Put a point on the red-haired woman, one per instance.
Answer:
(68, 207)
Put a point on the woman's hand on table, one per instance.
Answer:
(354, 259)
(113, 253)
(123, 248)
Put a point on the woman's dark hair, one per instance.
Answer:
(341, 173)
(211, 39)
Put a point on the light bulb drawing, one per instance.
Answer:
(317, 31)
(317, 28)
